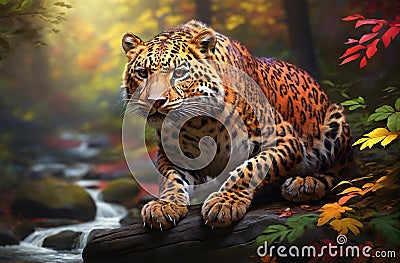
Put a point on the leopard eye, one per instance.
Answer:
(180, 73)
(141, 73)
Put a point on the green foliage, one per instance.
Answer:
(354, 103)
(388, 225)
(293, 229)
(27, 19)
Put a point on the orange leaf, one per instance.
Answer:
(351, 58)
(389, 35)
(353, 17)
(371, 48)
(367, 37)
(344, 199)
(352, 50)
(363, 62)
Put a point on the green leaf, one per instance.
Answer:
(328, 82)
(378, 116)
(397, 104)
(349, 102)
(353, 107)
(275, 228)
(272, 236)
(295, 234)
(388, 226)
(385, 109)
(360, 100)
(393, 122)
(389, 89)
(4, 2)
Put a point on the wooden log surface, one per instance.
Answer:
(190, 239)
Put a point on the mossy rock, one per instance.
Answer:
(53, 198)
(65, 240)
(122, 191)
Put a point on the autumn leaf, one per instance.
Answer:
(350, 190)
(378, 135)
(371, 48)
(353, 17)
(352, 50)
(363, 62)
(351, 58)
(342, 226)
(362, 22)
(346, 198)
(330, 211)
(367, 37)
(389, 35)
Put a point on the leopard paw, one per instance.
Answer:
(221, 209)
(305, 189)
(162, 215)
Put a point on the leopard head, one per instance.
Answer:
(163, 73)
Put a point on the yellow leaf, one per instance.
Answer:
(378, 135)
(350, 189)
(378, 132)
(329, 211)
(389, 139)
(361, 140)
(342, 226)
(383, 178)
(367, 185)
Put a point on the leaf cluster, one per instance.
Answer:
(367, 46)
(293, 229)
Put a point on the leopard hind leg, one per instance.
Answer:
(330, 158)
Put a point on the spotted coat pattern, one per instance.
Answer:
(311, 143)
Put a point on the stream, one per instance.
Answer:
(30, 249)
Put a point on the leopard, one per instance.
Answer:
(307, 142)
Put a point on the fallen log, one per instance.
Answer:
(189, 240)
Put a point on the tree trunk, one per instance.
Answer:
(190, 239)
(300, 37)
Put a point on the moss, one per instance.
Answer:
(122, 190)
(53, 198)
(55, 193)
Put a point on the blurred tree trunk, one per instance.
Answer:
(300, 37)
(203, 11)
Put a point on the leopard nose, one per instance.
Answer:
(157, 103)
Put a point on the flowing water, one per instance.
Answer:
(31, 250)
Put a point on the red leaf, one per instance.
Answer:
(351, 58)
(377, 27)
(367, 37)
(389, 35)
(371, 48)
(367, 22)
(351, 41)
(363, 63)
(352, 17)
(352, 50)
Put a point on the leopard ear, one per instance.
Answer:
(130, 41)
(205, 41)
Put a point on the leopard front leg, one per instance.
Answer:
(171, 206)
(233, 199)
